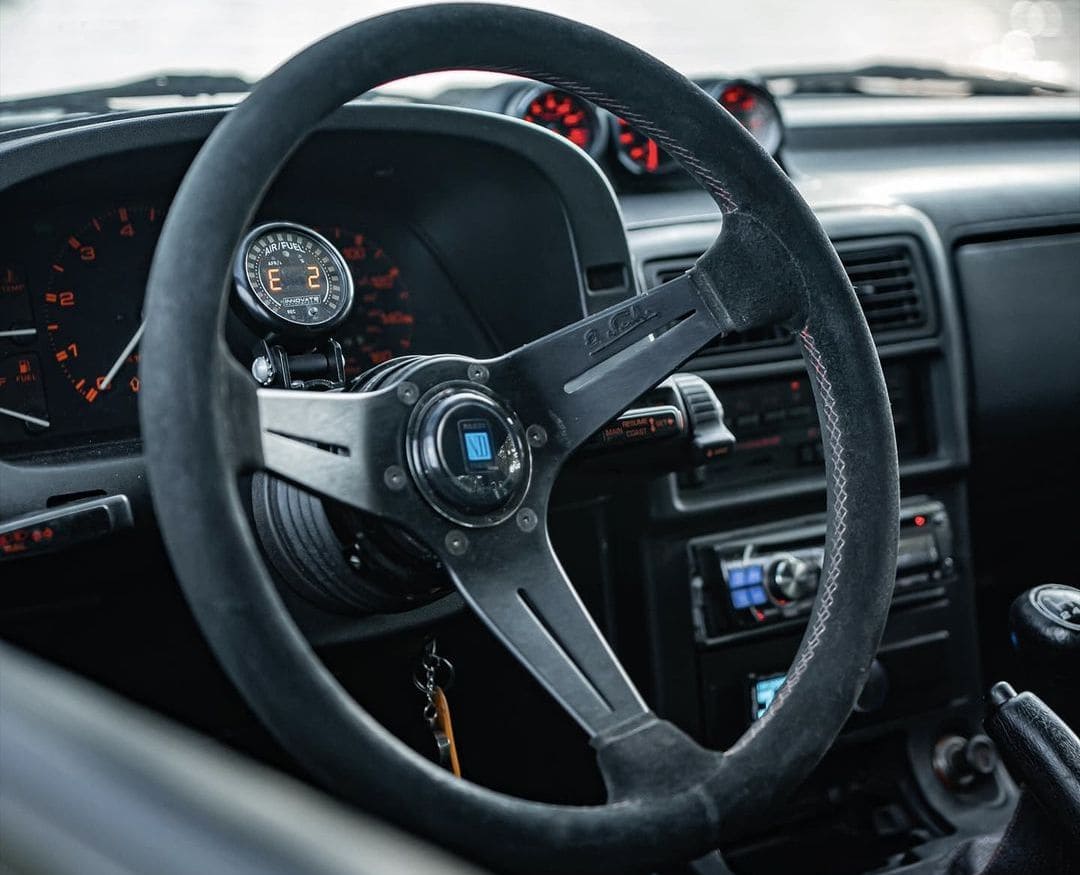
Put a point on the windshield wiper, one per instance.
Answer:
(903, 80)
(95, 100)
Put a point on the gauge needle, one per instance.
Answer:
(119, 363)
(19, 332)
(25, 417)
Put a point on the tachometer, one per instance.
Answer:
(92, 326)
(640, 154)
(565, 114)
(292, 279)
(381, 326)
(755, 109)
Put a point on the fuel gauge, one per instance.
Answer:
(22, 397)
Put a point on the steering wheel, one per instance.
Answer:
(389, 451)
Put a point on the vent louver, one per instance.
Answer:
(888, 283)
(888, 277)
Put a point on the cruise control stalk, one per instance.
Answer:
(678, 425)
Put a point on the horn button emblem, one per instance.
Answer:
(469, 456)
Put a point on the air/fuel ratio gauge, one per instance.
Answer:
(292, 279)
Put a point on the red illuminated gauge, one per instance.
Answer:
(640, 154)
(381, 324)
(566, 115)
(92, 305)
(755, 109)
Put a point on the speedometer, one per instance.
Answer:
(382, 323)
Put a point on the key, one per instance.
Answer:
(437, 708)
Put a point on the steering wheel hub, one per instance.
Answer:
(468, 455)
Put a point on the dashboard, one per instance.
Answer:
(475, 231)
(632, 160)
(71, 308)
(73, 269)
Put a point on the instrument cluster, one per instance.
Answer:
(602, 134)
(71, 311)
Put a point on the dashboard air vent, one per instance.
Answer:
(888, 281)
(889, 277)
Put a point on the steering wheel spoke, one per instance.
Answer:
(523, 595)
(342, 446)
(576, 379)
(579, 377)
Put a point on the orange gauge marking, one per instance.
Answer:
(382, 323)
(91, 271)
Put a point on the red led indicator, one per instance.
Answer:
(920, 521)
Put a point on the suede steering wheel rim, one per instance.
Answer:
(203, 425)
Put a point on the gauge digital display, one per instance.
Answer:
(290, 277)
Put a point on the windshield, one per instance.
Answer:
(61, 45)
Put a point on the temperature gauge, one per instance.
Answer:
(16, 326)
(292, 279)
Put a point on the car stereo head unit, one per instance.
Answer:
(762, 577)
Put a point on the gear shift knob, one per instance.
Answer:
(1045, 624)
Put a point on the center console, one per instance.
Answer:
(731, 554)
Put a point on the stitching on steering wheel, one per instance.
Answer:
(831, 423)
(727, 204)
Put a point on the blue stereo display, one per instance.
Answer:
(765, 690)
(745, 584)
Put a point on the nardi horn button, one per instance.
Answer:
(469, 457)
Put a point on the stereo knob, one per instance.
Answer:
(791, 578)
